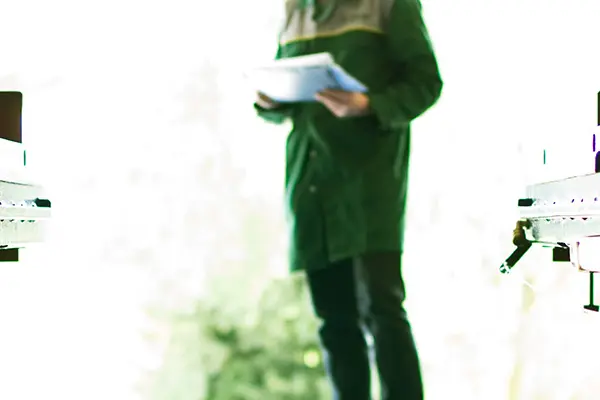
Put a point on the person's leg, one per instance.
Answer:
(381, 295)
(345, 350)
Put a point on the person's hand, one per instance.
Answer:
(345, 104)
(266, 102)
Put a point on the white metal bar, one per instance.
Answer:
(564, 210)
(19, 190)
(28, 213)
(14, 234)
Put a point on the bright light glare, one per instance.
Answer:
(119, 121)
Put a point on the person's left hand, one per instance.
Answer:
(345, 104)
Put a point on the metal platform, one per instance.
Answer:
(23, 222)
(24, 209)
(563, 211)
(564, 215)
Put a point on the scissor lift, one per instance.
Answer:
(24, 210)
(564, 215)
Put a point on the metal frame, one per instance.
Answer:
(563, 211)
(24, 213)
(564, 215)
(23, 222)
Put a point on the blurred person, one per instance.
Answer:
(347, 160)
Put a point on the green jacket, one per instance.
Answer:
(346, 179)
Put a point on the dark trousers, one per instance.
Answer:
(366, 292)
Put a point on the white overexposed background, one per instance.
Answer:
(144, 160)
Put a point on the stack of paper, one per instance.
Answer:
(299, 79)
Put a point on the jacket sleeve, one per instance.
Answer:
(278, 115)
(418, 84)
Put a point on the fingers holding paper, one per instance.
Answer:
(344, 104)
(266, 102)
(341, 103)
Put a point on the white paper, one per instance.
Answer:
(299, 79)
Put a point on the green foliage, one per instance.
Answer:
(250, 337)
(273, 356)
(269, 352)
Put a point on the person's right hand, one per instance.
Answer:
(266, 102)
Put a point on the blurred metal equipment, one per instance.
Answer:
(24, 210)
(565, 216)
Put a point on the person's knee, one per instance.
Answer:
(384, 305)
(341, 327)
